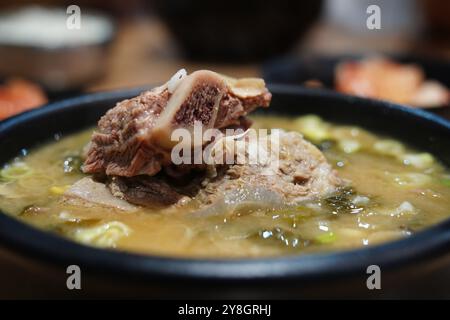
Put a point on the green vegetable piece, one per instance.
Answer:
(325, 238)
(14, 171)
(341, 202)
(280, 237)
(389, 147)
(104, 235)
(349, 145)
(313, 128)
(446, 182)
(72, 164)
(419, 160)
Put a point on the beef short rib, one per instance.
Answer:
(134, 137)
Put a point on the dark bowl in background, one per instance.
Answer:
(413, 267)
(237, 30)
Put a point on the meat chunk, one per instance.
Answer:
(134, 138)
(118, 147)
(87, 193)
(152, 191)
(131, 150)
(301, 173)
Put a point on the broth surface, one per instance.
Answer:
(394, 192)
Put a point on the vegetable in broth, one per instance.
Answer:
(393, 192)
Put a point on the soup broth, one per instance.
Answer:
(393, 192)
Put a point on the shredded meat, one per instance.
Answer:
(302, 174)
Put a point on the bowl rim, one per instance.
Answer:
(28, 241)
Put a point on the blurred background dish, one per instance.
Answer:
(18, 95)
(152, 39)
(418, 81)
(386, 79)
(36, 44)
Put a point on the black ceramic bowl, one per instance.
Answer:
(234, 30)
(410, 267)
